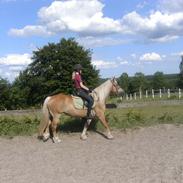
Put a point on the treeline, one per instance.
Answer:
(142, 82)
(19, 94)
(50, 73)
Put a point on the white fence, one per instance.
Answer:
(154, 94)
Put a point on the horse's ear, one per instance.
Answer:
(113, 78)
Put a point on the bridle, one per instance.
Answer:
(115, 85)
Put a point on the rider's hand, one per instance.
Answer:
(90, 90)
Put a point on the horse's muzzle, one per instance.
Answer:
(121, 92)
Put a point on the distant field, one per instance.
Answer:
(13, 123)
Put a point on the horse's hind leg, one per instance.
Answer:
(46, 134)
(87, 124)
(54, 124)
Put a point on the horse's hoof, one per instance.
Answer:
(83, 137)
(110, 137)
(46, 137)
(56, 140)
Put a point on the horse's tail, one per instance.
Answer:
(45, 118)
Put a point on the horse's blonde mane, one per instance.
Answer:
(103, 90)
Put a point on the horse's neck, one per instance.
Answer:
(104, 90)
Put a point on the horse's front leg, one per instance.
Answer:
(87, 124)
(101, 116)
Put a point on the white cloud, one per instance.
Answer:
(100, 64)
(31, 30)
(177, 54)
(151, 57)
(16, 59)
(91, 41)
(171, 5)
(125, 62)
(163, 56)
(8, 74)
(142, 4)
(133, 55)
(157, 27)
(121, 61)
(12, 64)
(64, 16)
(181, 53)
(16, 68)
(166, 38)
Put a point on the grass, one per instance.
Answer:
(144, 116)
(12, 125)
(126, 118)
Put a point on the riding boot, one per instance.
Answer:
(89, 115)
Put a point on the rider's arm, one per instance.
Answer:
(73, 75)
(83, 86)
(78, 78)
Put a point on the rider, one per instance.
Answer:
(82, 90)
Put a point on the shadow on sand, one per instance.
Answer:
(76, 125)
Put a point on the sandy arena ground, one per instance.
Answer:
(147, 155)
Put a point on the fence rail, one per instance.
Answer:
(154, 94)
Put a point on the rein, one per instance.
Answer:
(95, 95)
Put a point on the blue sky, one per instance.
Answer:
(125, 36)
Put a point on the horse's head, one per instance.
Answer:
(115, 87)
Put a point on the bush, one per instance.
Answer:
(11, 126)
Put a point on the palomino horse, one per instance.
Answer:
(55, 105)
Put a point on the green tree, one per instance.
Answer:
(181, 65)
(158, 80)
(124, 81)
(138, 82)
(20, 92)
(4, 94)
(180, 81)
(51, 70)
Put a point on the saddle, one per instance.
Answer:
(79, 103)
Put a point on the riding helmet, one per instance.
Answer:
(78, 67)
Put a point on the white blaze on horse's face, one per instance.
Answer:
(115, 87)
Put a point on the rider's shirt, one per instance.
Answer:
(77, 81)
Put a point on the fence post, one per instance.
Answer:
(179, 93)
(153, 93)
(140, 93)
(160, 94)
(131, 96)
(126, 96)
(135, 96)
(146, 93)
(168, 93)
